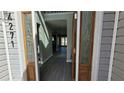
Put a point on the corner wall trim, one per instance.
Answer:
(77, 45)
(113, 45)
(35, 46)
(96, 45)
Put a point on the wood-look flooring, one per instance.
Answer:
(56, 68)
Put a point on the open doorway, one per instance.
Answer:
(54, 38)
(58, 44)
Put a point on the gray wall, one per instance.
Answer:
(118, 61)
(45, 40)
(45, 51)
(4, 73)
(106, 41)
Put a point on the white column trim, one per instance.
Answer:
(113, 45)
(77, 45)
(19, 42)
(96, 45)
(6, 46)
(35, 46)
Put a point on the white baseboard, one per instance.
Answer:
(69, 60)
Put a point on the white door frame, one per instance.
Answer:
(96, 45)
(77, 45)
(35, 46)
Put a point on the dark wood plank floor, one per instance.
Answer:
(56, 68)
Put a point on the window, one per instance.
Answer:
(63, 41)
(66, 41)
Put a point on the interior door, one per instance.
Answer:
(86, 45)
(74, 46)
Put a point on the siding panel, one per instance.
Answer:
(119, 72)
(108, 25)
(109, 17)
(106, 40)
(119, 56)
(105, 47)
(120, 40)
(115, 77)
(107, 32)
(4, 73)
(119, 48)
(121, 15)
(121, 23)
(118, 63)
(120, 32)
(105, 54)
(5, 78)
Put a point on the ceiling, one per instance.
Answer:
(57, 23)
(57, 26)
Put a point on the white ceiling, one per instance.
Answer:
(57, 26)
(57, 23)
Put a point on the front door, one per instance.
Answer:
(86, 45)
(28, 44)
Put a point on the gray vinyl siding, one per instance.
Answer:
(4, 73)
(118, 61)
(106, 41)
(13, 51)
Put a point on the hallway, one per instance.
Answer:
(56, 68)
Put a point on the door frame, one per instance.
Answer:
(77, 45)
(34, 30)
(96, 45)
